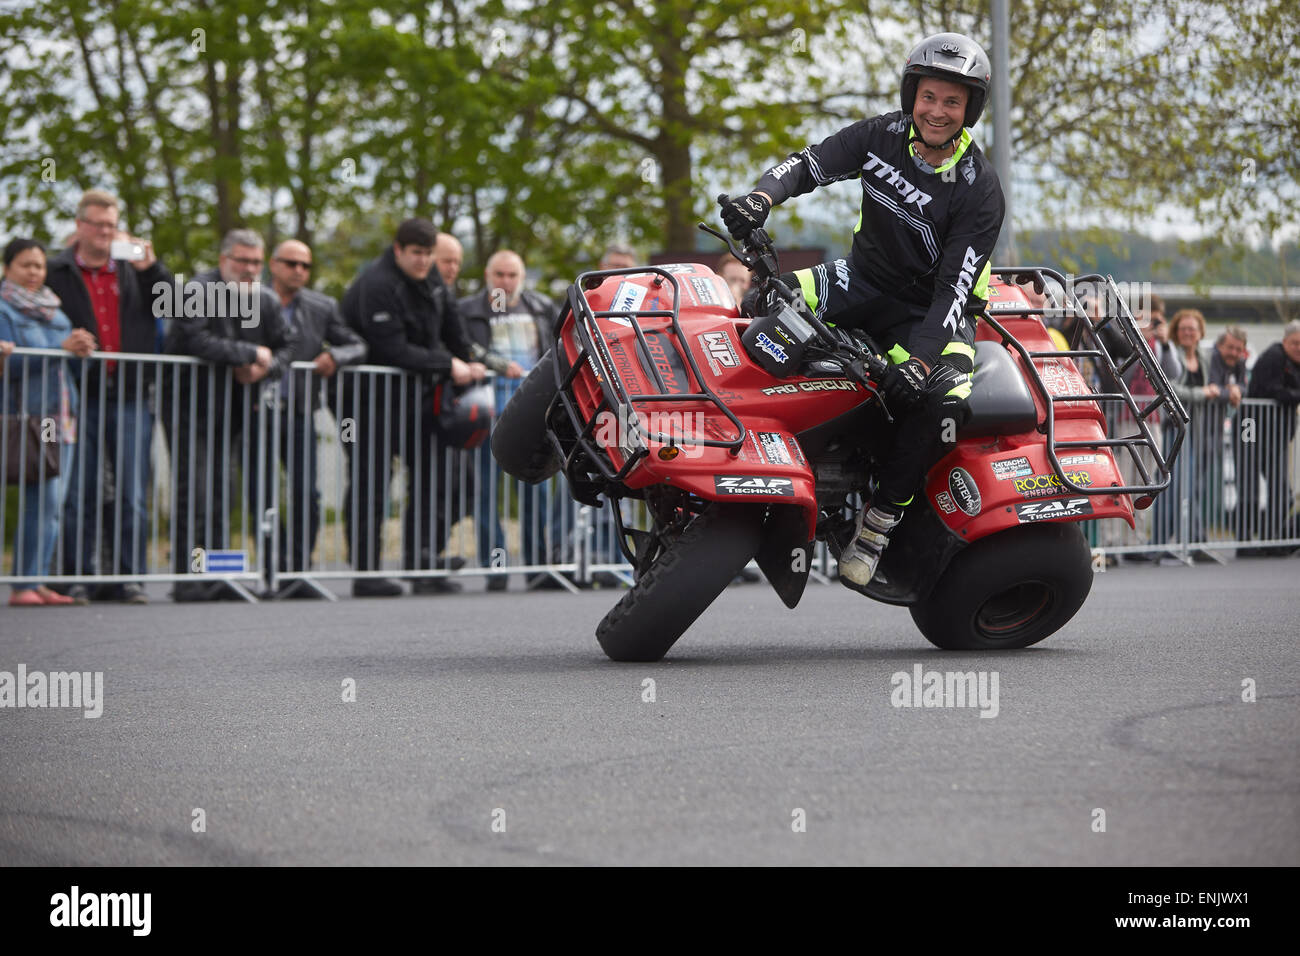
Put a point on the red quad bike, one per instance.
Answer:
(751, 438)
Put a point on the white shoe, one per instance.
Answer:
(870, 538)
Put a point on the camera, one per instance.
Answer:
(127, 249)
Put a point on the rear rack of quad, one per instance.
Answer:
(587, 466)
(1152, 462)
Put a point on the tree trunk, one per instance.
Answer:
(673, 144)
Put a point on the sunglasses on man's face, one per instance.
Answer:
(295, 264)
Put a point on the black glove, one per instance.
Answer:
(742, 216)
(903, 384)
(943, 378)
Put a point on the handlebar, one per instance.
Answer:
(758, 254)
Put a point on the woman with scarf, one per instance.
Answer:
(42, 388)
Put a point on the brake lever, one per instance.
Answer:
(731, 247)
(859, 368)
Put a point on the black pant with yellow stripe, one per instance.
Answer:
(839, 294)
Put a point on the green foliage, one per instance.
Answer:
(556, 128)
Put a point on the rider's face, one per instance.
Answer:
(940, 110)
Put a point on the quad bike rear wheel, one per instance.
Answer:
(682, 582)
(1009, 590)
(519, 442)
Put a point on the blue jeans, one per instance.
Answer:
(120, 434)
(38, 528)
(534, 507)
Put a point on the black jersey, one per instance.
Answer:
(925, 235)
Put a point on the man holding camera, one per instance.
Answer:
(105, 281)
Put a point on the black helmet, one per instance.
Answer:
(952, 57)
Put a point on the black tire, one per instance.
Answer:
(682, 583)
(519, 442)
(1010, 590)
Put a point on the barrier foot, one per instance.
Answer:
(564, 582)
(242, 591)
(299, 584)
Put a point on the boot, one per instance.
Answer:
(870, 538)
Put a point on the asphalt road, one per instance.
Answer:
(490, 729)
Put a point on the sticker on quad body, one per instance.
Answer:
(771, 448)
(753, 485)
(663, 356)
(1047, 485)
(718, 351)
(1007, 468)
(965, 493)
(1032, 511)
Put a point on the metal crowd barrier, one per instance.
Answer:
(182, 475)
(1233, 489)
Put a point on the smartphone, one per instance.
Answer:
(128, 250)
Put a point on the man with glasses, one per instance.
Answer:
(111, 299)
(325, 340)
(242, 335)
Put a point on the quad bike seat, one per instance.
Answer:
(1000, 400)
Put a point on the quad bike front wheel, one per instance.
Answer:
(682, 582)
(1009, 590)
(519, 442)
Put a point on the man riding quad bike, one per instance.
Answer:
(749, 434)
(919, 266)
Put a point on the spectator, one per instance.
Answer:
(1186, 330)
(241, 335)
(1228, 371)
(1192, 386)
(324, 339)
(1228, 364)
(1152, 322)
(30, 317)
(735, 274)
(1276, 376)
(112, 299)
(447, 257)
(404, 312)
(618, 256)
(515, 325)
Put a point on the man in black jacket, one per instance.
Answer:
(918, 270)
(213, 412)
(408, 319)
(514, 326)
(111, 299)
(324, 339)
(1276, 376)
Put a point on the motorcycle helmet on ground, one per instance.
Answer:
(952, 57)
